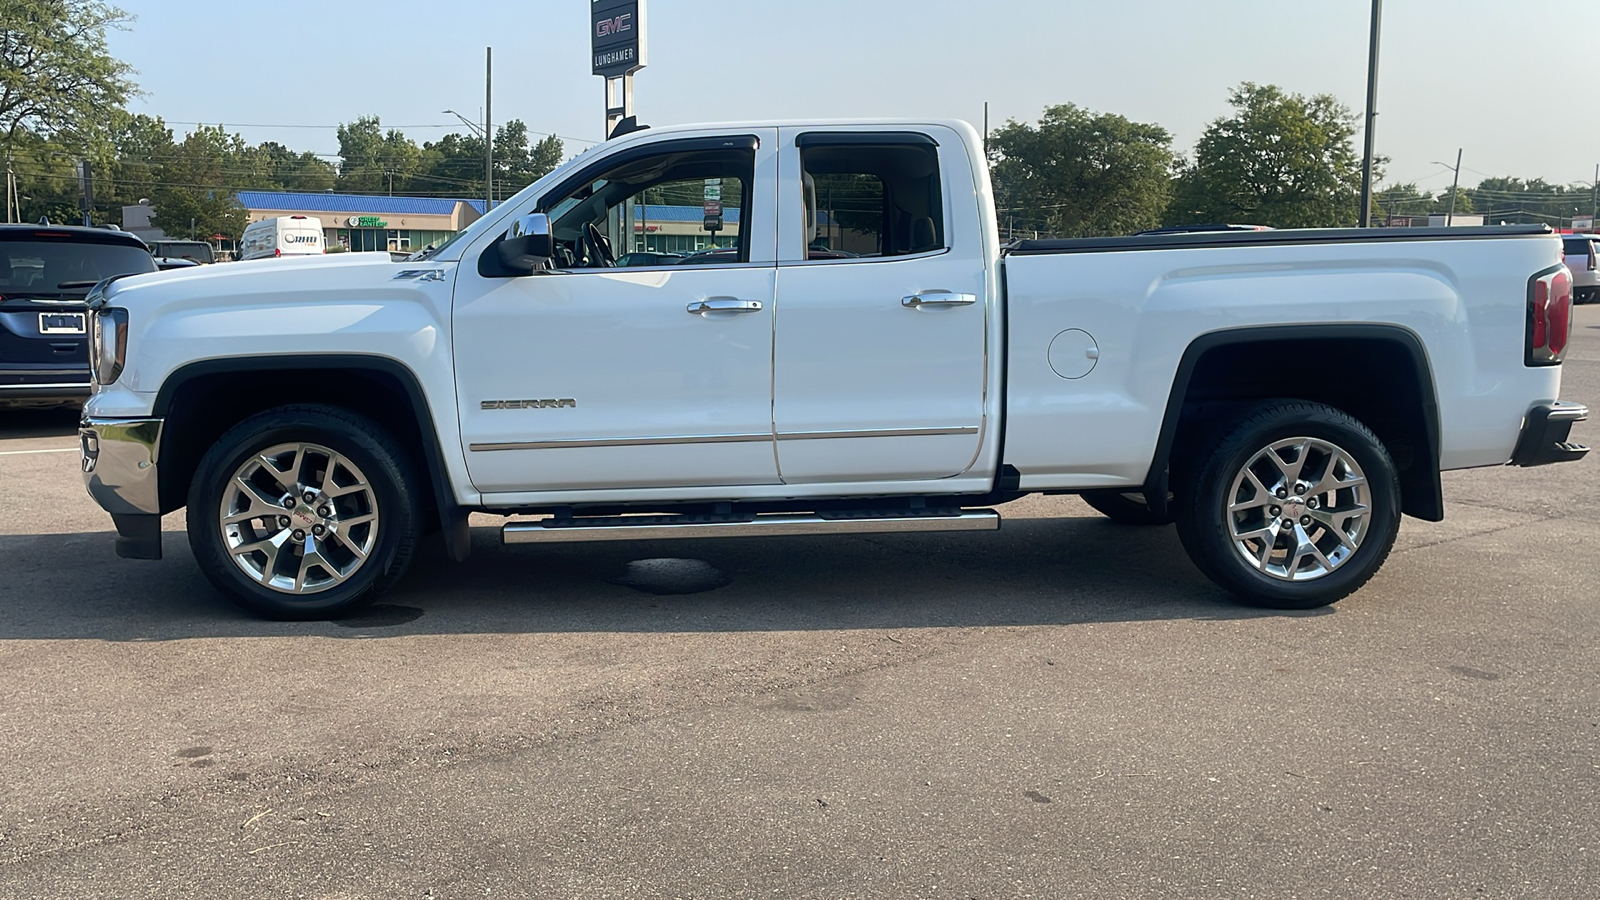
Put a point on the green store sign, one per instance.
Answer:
(367, 222)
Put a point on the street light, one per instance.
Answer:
(488, 157)
(476, 128)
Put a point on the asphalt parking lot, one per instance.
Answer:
(1065, 708)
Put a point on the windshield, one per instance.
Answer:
(199, 251)
(431, 252)
(54, 268)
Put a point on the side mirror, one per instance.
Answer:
(528, 246)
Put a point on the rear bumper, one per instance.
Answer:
(1544, 435)
(18, 386)
(120, 459)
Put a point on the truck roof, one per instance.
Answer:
(74, 233)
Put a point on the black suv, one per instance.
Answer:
(46, 271)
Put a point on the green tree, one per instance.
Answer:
(1401, 200)
(47, 181)
(1441, 203)
(141, 145)
(517, 164)
(57, 79)
(283, 169)
(1281, 159)
(1081, 173)
(372, 161)
(453, 165)
(1515, 200)
(194, 194)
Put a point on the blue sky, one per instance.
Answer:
(1505, 79)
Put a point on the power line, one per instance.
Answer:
(448, 126)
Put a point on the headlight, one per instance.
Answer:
(108, 343)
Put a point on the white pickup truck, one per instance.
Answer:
(800, 329)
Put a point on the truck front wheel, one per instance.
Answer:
(1295, 507)
(303, 512)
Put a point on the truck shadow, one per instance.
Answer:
(1033, 572)
(20, 424)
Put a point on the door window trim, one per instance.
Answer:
(605, 164)
(809, 139)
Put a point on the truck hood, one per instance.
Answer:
(272, 280)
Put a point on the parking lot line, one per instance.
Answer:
(51, 450)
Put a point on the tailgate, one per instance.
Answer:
(43, 341)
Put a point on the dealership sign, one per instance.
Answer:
(616, 35)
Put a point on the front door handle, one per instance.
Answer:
(938, 298)
(724, 304)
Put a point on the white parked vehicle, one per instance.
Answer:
(1583, 261)
(866, 357)
(282, 236)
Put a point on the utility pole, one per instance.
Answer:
(1455, 188)
(1594, 209)
(488, 129)
(1372, 115)
(10, 188)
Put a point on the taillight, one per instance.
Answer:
(1594, 259)
(1549, 317)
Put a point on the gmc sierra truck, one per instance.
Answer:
(816, 329)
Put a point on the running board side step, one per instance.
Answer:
(655, 528)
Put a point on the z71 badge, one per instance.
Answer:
(420, 275)
(530, 404)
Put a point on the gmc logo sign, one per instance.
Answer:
(608, 27)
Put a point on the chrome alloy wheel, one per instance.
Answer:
(1299, 509)
(299, 518)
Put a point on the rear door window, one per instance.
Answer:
(866, 200)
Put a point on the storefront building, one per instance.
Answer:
(352, 222)
(358, 223)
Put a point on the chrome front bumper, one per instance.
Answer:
(119, 459)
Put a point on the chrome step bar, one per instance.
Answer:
(655, 528)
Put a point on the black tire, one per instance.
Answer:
(1205, 523)
(1125, 508)
(390, 537)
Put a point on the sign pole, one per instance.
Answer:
(488, 129)
(619, 104)
(1370, 138)
(617, 39)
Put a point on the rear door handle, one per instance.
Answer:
(938, 298)
(724, 304)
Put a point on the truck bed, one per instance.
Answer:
(1267, 238)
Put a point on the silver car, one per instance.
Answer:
(1581, 253)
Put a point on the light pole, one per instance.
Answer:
(1455, 186)
(1594, 200)
(486, 130)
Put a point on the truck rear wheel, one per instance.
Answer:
(1295, 507)
(1125, 507)
(303, 512)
